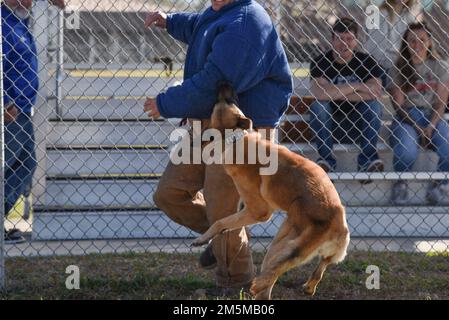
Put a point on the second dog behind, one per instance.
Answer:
(316, 220)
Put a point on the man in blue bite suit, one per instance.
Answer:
(233, 41)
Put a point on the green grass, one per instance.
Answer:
(177, 276)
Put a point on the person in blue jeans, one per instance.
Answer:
(346, 84)
(420, 92)
(20, 86)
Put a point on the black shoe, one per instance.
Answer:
(375, 166)
(14, 236)
(325, 165)
(207, 259)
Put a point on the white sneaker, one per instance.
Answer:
(436, 193)
(399, 194)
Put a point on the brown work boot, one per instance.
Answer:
(207, 259)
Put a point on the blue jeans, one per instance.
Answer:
(361, 126)
(20, 158)
(405, 140)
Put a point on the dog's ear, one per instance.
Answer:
(244, 123)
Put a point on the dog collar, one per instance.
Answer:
(234, 137)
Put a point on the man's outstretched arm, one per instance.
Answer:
(179, 25)
(196, 96)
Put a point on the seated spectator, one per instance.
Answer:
(346, 84)
(419, 93)
(383, 42)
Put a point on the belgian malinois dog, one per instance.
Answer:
(316, 220)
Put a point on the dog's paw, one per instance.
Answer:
(198, 242)
(308, 289)
(257, 285)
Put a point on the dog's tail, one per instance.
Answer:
(226, 93)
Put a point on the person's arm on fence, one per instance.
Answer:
(179, 25)
(196, 96)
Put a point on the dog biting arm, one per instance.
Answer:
(196, 96)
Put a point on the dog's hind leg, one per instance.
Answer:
(262, 287)
(332, 252)
(291, 251)
(317, 275)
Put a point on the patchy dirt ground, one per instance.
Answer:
(177, 276)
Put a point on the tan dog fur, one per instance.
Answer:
(316, 220)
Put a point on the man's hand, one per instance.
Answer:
(58, 3)
(150, 106)
(10, 113)
(158, 18)
(426, 137)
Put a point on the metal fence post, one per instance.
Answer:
(2, 208)
(42, 108)
(59, 63)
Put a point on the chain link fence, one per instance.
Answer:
(84, 177)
